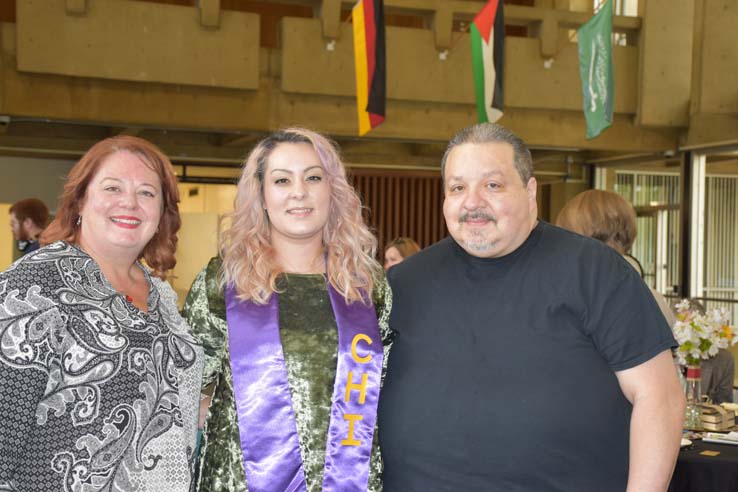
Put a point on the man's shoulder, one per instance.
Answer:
(565, 244)
(563, 238)
(436, 250)
(47, 256)
(31, 246)
(566, 261)
(41, 266)
(423, 261)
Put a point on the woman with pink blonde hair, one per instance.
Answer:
(293, 317)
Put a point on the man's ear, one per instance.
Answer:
(532, 188)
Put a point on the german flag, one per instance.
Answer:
(369, 59)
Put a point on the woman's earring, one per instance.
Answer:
(79, 220)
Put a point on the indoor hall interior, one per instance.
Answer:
(672, 149)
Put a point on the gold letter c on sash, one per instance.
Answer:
(360, 337)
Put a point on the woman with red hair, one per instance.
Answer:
(100, 377)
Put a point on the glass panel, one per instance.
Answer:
(650, 193)
(720, 265)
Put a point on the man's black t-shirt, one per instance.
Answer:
(501, 377)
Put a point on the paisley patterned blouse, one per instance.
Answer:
(309, 342)
(95, 395)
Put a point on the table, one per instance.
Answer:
(697, 473)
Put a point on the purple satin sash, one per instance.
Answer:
(266, 420)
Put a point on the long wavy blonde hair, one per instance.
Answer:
(249, 260)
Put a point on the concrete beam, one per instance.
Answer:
(549, 35)
(330, 17)
(239, 140)
(665, 63)
(443, 20)
(152, 42)
(705, 129)
(130, 131)
(76, 7)
(210, 13)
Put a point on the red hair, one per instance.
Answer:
(159, 251)
(603, 215)
(31, 208)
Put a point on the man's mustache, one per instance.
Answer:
(477, 214)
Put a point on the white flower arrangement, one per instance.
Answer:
(700, 336)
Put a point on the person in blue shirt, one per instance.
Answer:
(27, 220)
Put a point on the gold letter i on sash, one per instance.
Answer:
(350, 441)
(350, 385)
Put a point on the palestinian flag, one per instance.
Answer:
(369, 59)
(488, 48)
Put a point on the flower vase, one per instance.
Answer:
(693, 412)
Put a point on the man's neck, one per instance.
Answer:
(33, 233)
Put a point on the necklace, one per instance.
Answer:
(317, 265)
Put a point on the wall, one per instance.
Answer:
(201, 208)
(23, 177)
(714, 99)
(543, 106)
(561, 193)
(665, 62)
(131, 30)
(6, 238)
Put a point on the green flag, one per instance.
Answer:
(595, 68)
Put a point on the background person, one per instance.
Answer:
(718, 372)
(526, 357)
(276, 315)
(716, 380)
(27, 220)
(399, 249)
(100, 378)
(608, 217)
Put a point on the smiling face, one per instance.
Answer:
(296, 193)
(122, 206)
(489, 211)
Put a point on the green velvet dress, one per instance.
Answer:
(309, 341)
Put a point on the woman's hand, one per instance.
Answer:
(204, 408)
